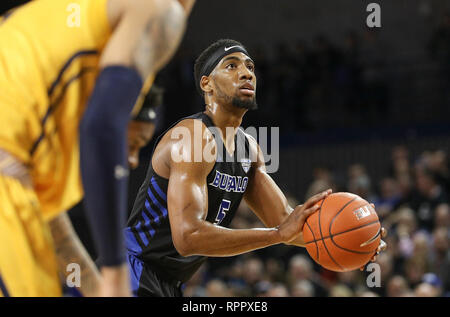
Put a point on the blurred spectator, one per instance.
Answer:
(322, 180)
(340, 290)
(275, 270)
(425, 290)
(235, 279)
(442, 216)
(430, 195)
(418, 263)
(400, 170)
(217, 288)
(261, 288)
(301, 268)
(369, 294)
(397, 287)
(303, 288)
(278, 290)
(350, 279)
(385, 261)
(390, 197)
(434, 281)
(406, 223)
(194, 287)
(440, 256)
(359, 182)
(253, 272)
(438, 163)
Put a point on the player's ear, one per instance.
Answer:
(205, 84)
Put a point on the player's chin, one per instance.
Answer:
(245, 102)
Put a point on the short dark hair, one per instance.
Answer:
(204, 56)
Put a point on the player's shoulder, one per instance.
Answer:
(193, 125)
(189, 138)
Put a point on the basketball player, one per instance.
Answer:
(73, 243)
(59, 58)
(142, 127)
(185, 205)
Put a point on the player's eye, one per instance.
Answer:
(231, 65)
(251, 67)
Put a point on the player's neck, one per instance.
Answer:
(225, 116)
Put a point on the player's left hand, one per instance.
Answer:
(381, 247)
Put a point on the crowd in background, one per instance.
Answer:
(412, 201)
(340, 82)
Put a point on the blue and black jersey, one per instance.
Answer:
(148, 235)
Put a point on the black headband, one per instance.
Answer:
(216, 57)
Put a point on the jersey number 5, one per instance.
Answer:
(224, 207)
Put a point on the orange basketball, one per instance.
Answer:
(344, 234)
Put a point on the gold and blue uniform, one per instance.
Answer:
(48, 67)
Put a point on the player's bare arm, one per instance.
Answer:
(146, 33)
(69, 249)
(188, 207)
(145, 36)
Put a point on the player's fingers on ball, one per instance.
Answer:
(316, 198)
(373, 205)
(382, 246)
(383, 232)
(307, 212)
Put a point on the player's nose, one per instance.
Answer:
(245, 74)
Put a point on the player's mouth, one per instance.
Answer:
(247, 89)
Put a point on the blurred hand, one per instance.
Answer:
(115, 282)
(381, 247)
(187, 5)
(291, 229)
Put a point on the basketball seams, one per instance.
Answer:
(362, 226)
(342, 232)
(355, 251)
(314, 239)
(337, 214)
(321, 235)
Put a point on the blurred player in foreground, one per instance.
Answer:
(70, 81)
(199, 174)
(69, 248)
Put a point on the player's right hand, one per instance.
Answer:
(115, 282)
(292, 227)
